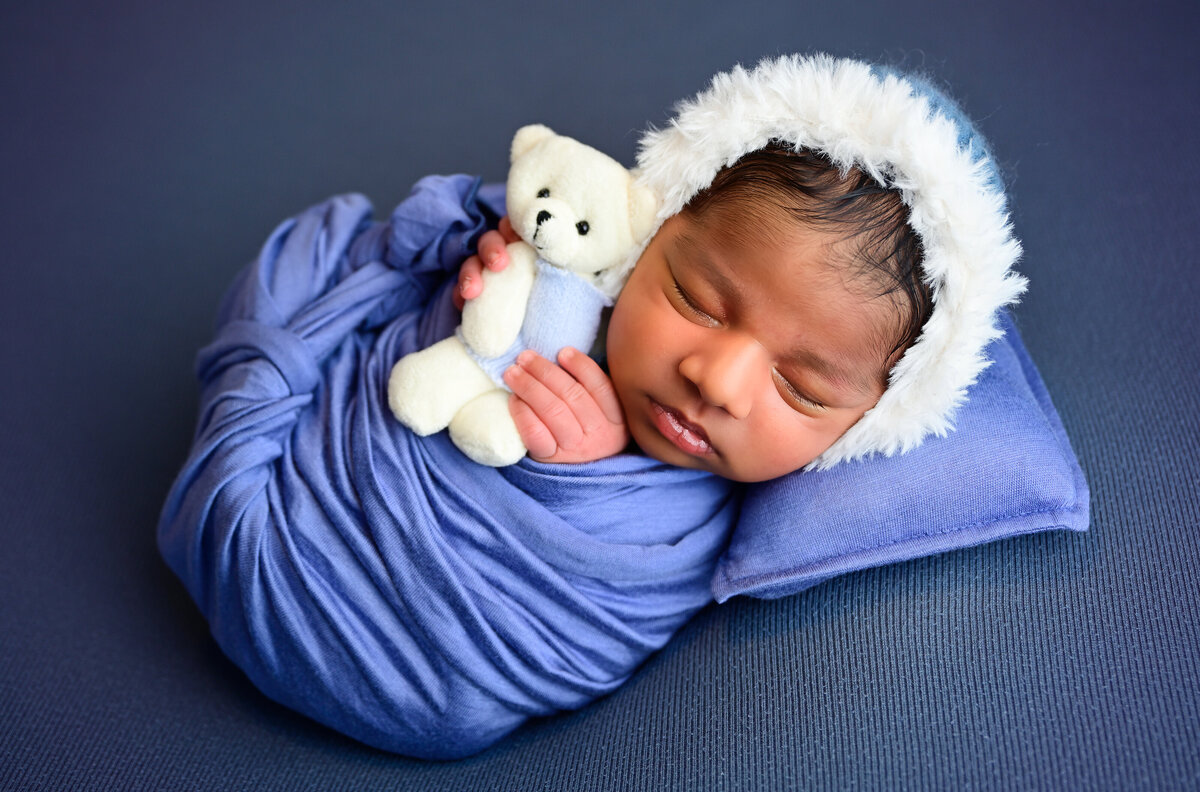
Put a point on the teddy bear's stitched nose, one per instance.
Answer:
(543, 216)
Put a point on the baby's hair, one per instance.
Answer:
(807, 187)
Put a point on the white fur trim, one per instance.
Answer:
(888, 129)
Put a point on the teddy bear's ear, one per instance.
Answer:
(643, 209)
(527, 137)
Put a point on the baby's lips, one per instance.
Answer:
(687, 436)
(694, 428)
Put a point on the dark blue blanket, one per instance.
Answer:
(380, 582)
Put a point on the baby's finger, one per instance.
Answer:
(538, 440)
(549, 391)
(506, 230)
(588, 373)
(493, 250)
(470, 281)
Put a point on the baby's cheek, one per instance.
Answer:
(624, 332)
(792, 441)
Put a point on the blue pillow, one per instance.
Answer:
(1007, 469)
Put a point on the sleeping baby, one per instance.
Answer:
(757, 327)
(828, 263)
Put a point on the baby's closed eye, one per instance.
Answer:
(792, 394)
(689, 307)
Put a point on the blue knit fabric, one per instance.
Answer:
(969, 137)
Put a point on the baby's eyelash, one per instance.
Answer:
(687, 300)
(795, 394)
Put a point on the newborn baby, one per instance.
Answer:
(830, 257)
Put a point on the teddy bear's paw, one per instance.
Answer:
(426, 388)
(484, 430)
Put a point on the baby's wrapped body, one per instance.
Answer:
(383, 584)
(380, 582)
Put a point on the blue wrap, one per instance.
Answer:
(380, 582)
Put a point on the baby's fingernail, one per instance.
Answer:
(566, 353)
(490, 258)
(525, 357)
(512, 371)
(462, 287)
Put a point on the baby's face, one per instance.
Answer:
(746, 361)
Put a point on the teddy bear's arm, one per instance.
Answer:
(491, 321)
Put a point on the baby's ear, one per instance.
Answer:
(527, 137)
(643, 208)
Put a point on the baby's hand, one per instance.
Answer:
(568, 413)
(492, 254)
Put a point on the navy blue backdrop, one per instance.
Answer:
(146, 151)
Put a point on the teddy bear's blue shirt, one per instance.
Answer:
(564, 310)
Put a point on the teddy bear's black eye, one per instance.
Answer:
(544, 192)
(582, 227)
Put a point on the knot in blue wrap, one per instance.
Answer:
(382, 583)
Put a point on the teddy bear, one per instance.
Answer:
(580, 215)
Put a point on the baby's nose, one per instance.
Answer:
(726, 371)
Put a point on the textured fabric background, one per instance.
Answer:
(146, 151)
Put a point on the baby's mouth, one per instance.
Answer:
(687, 436)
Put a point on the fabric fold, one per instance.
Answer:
(380, 582)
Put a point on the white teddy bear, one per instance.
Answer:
(581, 215)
